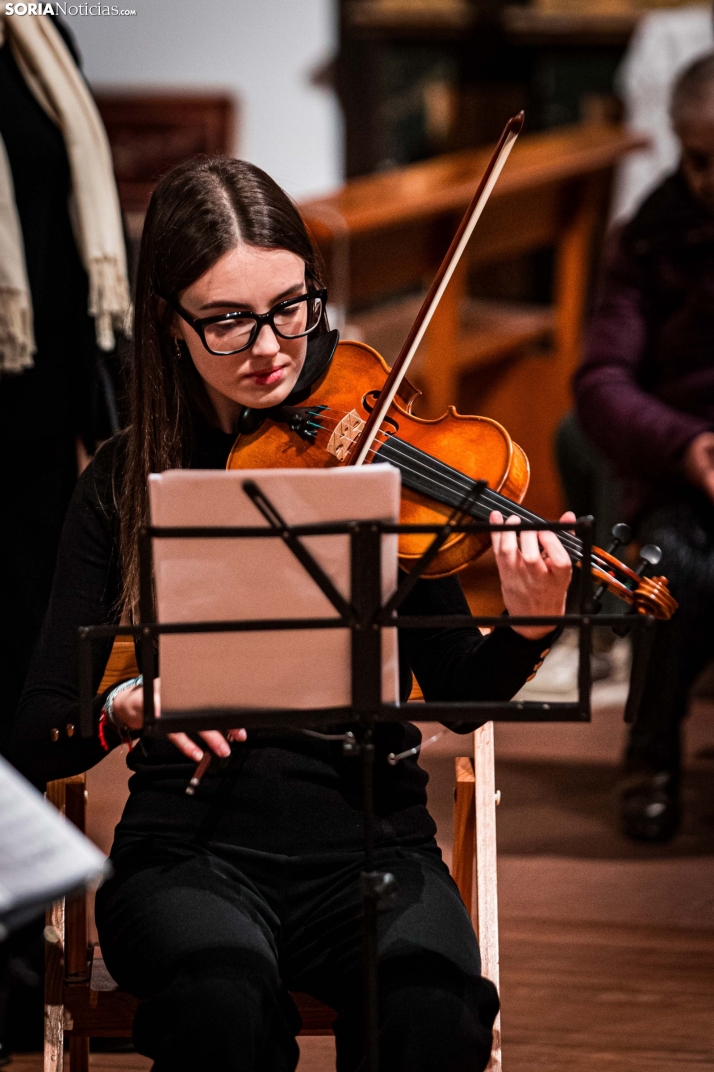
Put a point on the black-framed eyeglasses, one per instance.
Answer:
(229, 333)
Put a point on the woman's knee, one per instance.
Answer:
(218, 1012)
(439, 1019)
(433, 1018)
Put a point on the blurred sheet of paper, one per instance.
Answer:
(209, 580)
(42, 856)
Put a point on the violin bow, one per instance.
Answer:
(441, 280)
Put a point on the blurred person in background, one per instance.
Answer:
(665, 42)
(63, 291)
(589, 487)
(645, 396)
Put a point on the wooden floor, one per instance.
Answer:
(318, 1056)
(576, 997)
(607, 948)
(104, 1062)
(590, 997)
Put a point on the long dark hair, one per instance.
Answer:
(199, 211)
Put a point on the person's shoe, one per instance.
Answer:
(650, 807)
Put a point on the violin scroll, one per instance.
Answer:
(648, 595)
(654, 597)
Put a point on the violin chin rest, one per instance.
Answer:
(250, 420)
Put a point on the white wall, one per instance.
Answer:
(260, 51)
(663, 44)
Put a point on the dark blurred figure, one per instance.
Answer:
(645, 396)
(61, 392)
(589, 484)
(57, 233)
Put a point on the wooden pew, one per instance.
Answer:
(151, 132)
(386, 234)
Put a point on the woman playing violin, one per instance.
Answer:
(224, 901)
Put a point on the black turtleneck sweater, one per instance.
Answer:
(286, 794)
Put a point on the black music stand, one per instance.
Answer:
(365, 616)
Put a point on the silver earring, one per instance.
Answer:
(177, 344)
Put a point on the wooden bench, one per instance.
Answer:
(385, 234)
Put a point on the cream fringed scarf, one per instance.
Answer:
(53, 78)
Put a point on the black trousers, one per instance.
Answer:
(681, 523)
(683, 526)
(212, 938)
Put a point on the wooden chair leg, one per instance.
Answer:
(54, 989)
(462, 861)
(486, 880)
(79, 1054)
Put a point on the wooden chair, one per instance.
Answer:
(149, 133)
(82, 1001)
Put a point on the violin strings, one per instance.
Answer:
(572, 544)
(497, 502)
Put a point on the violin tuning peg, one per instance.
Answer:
(650, 555)
(622, 533)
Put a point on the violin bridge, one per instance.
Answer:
(345, 435)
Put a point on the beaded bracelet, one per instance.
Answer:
(124, 732)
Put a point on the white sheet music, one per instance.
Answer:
(42, 856)
(210, 580)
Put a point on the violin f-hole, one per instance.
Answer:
(369, 401)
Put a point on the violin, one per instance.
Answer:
(360, 410)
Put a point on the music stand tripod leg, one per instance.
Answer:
(370, 891)
(486, 870)
(366, 668)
